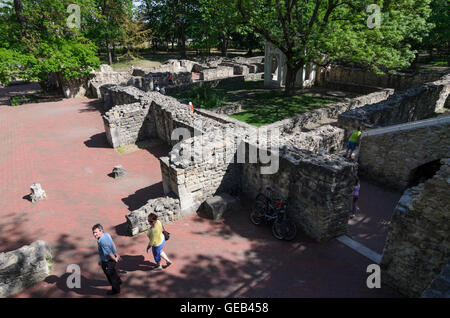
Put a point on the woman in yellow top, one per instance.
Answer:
(157, 241)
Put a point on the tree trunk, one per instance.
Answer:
(114, 52)
(18, 7)
(182, 42)
(108, 50)
(224, 47)
(291, 74)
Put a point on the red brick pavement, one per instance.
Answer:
(62, 145)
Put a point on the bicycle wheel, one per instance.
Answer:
(290, 230)
(258, 209)
(284, 230)
(277, 231)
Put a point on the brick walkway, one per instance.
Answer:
(62, 145)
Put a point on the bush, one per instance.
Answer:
(204, 96)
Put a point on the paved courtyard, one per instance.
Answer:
(62, 146)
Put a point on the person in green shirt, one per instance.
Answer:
(157, 241)
(353, 142)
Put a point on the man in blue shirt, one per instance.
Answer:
(108, 257)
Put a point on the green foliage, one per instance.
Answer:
(204, 96)
(439, 36)
(321, 31)
(19, 100)
(37, 41)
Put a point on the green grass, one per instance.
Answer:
(274, 106)
(262, 106)
(24, 99)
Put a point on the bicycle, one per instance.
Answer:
(268, 210)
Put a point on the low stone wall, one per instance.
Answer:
(296, 123)
(167, 209)
(397, 81)
(24, 267)
(180, 78)
(351, 87)
(214, 83)
(150, 114)
(390, 155)
(411, 105)
(113, 95)
(418, 244)
(440, 287)
(101, 78)
(216, 73)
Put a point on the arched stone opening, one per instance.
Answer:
(424, 172)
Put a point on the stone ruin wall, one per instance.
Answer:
(212, 72)
(319, 187)
(325, 138)
(411, 105)
(167, 209)
(194, 182)
(154, 116)
(313, 118)
(398, 81)
(440, 287)
(390, 157)
(418, 244)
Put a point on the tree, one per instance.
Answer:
(222, 20)
(105, 25)
(137, 34)
(439, 37)
(322, 30)
(35, 40)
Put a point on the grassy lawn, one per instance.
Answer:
(262, 106)
(138, 63)
(273, 106)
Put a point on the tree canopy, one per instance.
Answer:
(320, 31)
(35, 39)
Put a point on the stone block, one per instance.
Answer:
(215, 207)
(118, 171)
(24, 267)
(37, 193)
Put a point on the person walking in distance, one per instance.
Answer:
(354, 141)
(191, 107)
(108, 258)
(356, 188)
(157, 241)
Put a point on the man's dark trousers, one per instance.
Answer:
(109, 268)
